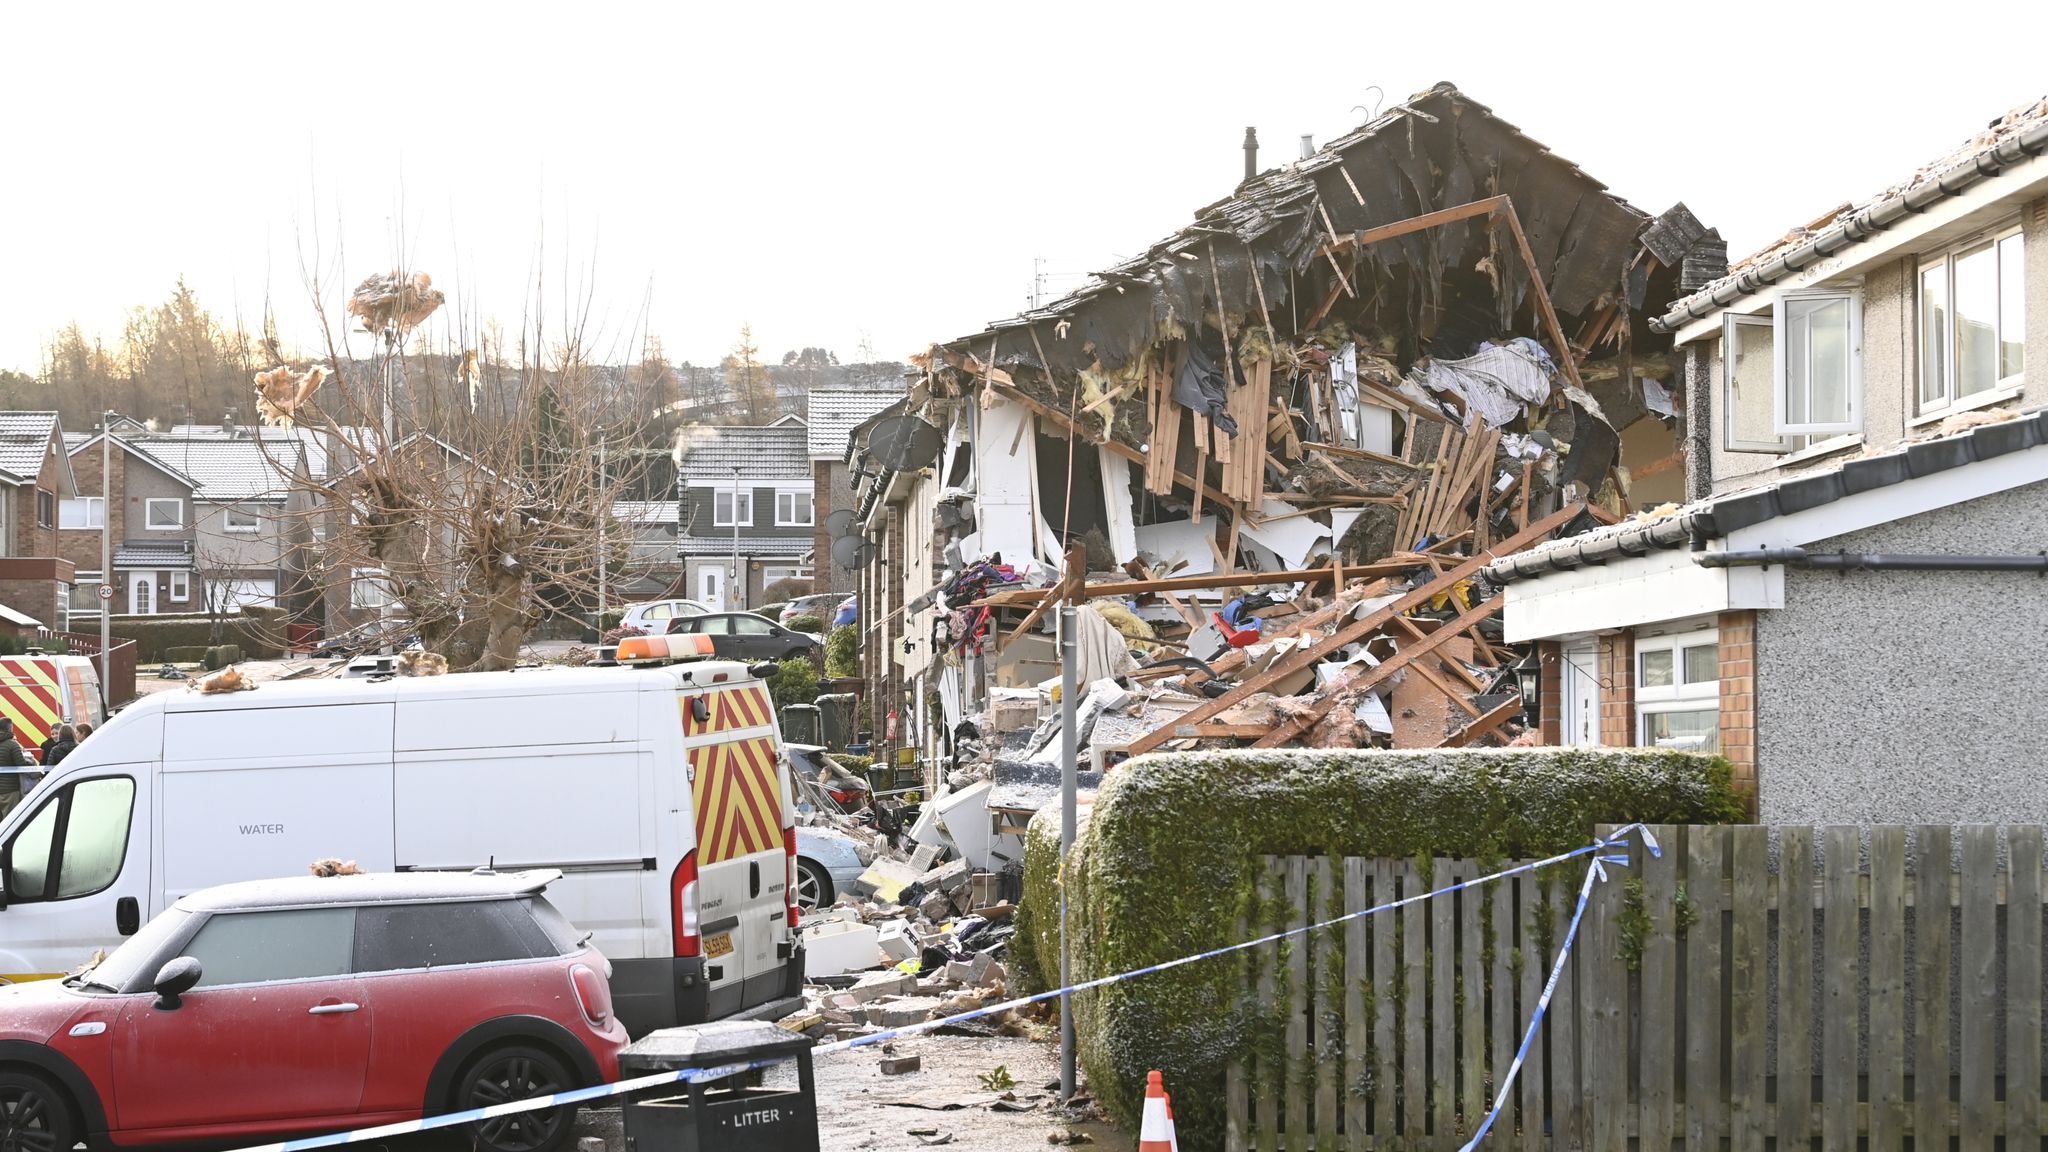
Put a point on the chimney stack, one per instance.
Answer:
(1251, 153)
(227, 423)
(1308, 145)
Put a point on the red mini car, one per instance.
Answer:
(314, 1004)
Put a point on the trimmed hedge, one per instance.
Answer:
(1163, 869)
(806, 624)
(258, 632)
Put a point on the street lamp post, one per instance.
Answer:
(106, 554)
(732, 574)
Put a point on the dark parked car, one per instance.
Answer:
(256, 1010)
(745, 636)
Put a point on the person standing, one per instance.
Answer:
(11, 756)
(62, 743)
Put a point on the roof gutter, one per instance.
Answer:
(1876, 561)
(1860, 226)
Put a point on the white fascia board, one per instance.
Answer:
(1897, 501)
(1660, 586)
(2006, 192)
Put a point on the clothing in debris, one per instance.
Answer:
(1497, 382)
(1201, 386)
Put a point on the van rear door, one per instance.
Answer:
(742, 864)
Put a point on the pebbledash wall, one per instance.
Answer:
(1909, 697)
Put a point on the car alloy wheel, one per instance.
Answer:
(33, 1116)
(518, 1073)
(813, 886)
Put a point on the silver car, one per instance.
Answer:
(652, 616)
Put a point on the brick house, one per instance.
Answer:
(35, 477)
(146, 511)
(747, 498)
(249, 516)
(1842, 604)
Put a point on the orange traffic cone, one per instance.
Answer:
(1172, 1130)
(1155, 1130)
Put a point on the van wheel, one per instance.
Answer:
(35, 1116)
(813, 886)
(517, 1072)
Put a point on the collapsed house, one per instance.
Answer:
(1271, 455)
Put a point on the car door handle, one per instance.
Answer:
(331, 1009)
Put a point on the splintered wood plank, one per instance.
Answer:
(1603, 1014)
(1415, 985)
(1887, 1065)
(1386, 1057)
(1269, 1074)
(1567, 1103)
(1840, 986)
(1357, 978)
(1705, 1117)
(1659, 982)
(2023, 984)
(1472, 1019)
(1749, 988)
(1326, 969)
(1932, 921)
(1977, 978)
(1795, 987)
(1443, 1007)
(1530, 1081)
(1294, 1089)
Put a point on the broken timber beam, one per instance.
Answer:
(1357, 454)
(1302, 658)
(1500, 714)
(1009, 392)
(1021, 596)
(1073, 574)
(1293, 726)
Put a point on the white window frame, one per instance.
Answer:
(149, 508)
(95, 513)
(361, 579)
(789, 519)
(63, 607)
(1680, 695)
(1781, 396)
(181, 586)
(1949, 401)
(746, 503)
(1729, 442)
(227, 520)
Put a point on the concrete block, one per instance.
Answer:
(949, 877)
(872, 988)
(936, 906)
(902, 1013)
(898, 1065)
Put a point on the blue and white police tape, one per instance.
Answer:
(1595, 869)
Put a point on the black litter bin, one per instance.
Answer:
(721, 1115)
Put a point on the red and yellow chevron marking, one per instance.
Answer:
(28, 696)
(738, 799)
(733, 708)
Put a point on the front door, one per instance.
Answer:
(276, 1014)
(1579, 726)
(142, 593)
(76, 859)
(711, 588)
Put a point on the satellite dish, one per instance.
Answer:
(840, 523)
(851, 552)
(905, 444)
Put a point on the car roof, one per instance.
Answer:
(367, 888)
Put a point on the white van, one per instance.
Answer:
(656, 788)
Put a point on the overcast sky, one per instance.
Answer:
(848, 172)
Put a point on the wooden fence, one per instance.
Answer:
(116, 668)
(1766, 987)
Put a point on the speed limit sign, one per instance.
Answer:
(106, 591)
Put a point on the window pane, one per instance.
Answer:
(1749, 372)
(1934, 333)
(292, 944)
(1976, 320)
(715, 625)
(750, 626)
(2012, 308)
(95, 835)
(30, 875)
(391, 937)
(1694, 731)
(1702, 664)
(1656, 671)
(1817, 361)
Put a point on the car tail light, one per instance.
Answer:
(789, 853)
(683, 889)
(593, 995)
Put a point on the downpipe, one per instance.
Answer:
(1875, 561)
